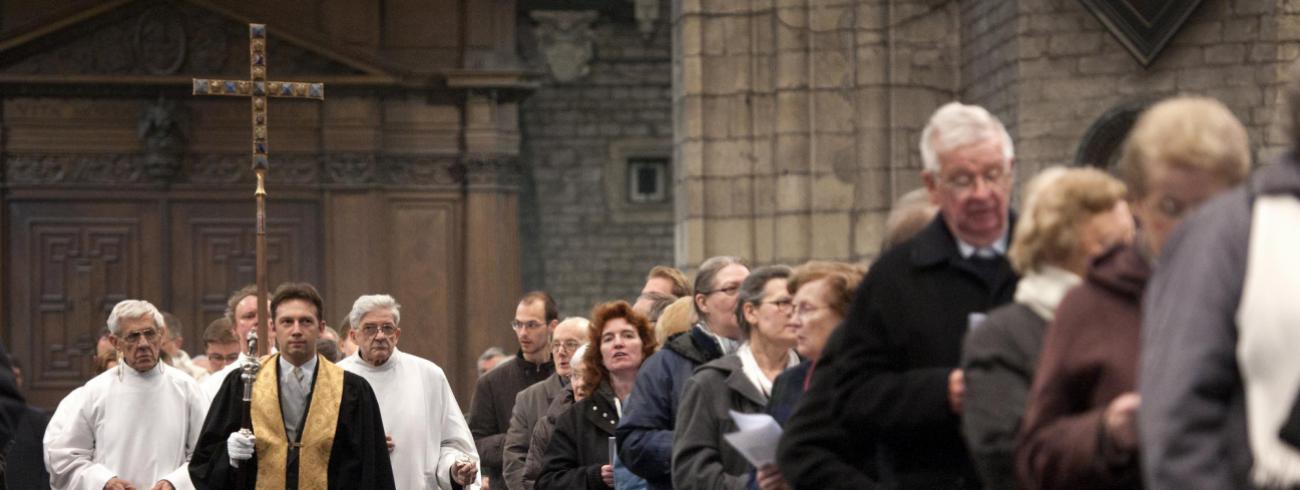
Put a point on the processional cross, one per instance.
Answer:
(258, 88)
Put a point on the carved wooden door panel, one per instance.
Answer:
(214, 252)
(69, 263)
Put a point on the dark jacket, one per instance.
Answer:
(1089, 357)
(787, 390)
(884, 374)
(998, 360)
(645, 434)
(493, 404)
(701, 458)
(530, 406)
(580, 444)
(541, 436)
(25, 463)
(1193, 413)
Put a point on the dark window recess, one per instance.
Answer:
(647, 180)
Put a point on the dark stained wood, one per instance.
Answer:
(70, 262)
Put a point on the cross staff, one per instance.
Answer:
(258, 88)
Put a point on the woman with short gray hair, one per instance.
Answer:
(740, 382)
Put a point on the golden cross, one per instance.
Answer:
(258, 88)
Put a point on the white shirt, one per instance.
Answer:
(996, 249)
(139, 427)
(293, 402)
(212, 384)
(420, 413)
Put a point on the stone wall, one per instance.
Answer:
(796, 121)
(577, 244)
(1070, 72)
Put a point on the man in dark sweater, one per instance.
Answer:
(889, 377)
(494, 395)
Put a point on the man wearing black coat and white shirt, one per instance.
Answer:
(889, 377)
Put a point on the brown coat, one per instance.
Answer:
(494, 403)
(1090, 357)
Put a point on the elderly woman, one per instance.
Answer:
(822, 294)
(1069, 217)
(1080, 424)
(578, 455)
(576, 391)
(741, 382)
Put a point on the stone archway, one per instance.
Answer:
(1101, 145)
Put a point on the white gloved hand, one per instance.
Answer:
(239, 447)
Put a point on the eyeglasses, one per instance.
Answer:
(149, 335)
(370, 329)
(570, 346)
(784, 305)
(227, 358)
(963, 181)
(804, 310)
(532, 325)
(729, 290)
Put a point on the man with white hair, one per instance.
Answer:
(891, 372)
(133, 426)
(430, 442)
(530, 404)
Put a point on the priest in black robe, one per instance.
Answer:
(315, 426)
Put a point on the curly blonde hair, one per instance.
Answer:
(1057, 201)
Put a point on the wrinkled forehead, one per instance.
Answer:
(378, 316)
(137, 324)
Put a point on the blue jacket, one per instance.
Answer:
(645, 432)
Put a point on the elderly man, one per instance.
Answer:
(133, 426)
(314, 424)
(494, 396)
(888, 378)
(431, 443)
(531, 404)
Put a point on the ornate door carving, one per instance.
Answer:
(70, 262)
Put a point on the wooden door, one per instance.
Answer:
(214, 253)
(70, 262)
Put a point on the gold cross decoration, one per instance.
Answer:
(258, 88)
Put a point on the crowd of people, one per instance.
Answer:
(1113, 332)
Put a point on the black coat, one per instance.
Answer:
(580, 444)
(884, 374)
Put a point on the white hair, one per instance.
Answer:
(578, 354)
(133, 308)
(371, 302)
(956, 125)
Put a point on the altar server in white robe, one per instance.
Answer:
(430, 442)
(133, 426)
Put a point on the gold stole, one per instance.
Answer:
(317, 438)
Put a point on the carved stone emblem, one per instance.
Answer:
(566, 42)
(162, 131)
(160, 40)
(1144, 27)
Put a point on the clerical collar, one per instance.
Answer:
(307, 367)
(997, 249)
(130, 373)
(382, 367)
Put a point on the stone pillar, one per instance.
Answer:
(796, 121)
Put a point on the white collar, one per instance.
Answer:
(997, 249)
(387, 365)
(1042, 289)
(308, 367)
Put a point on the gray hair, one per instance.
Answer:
(491, 353)
(133, 308)
(956, 125)
(751, 291)
(371, 302)
(708, 273)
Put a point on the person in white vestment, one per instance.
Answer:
(430, 442)
(133, 426)
(241, 312)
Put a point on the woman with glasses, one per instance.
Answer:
(741, 382)
(579, 452)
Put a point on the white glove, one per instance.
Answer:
(239, 447)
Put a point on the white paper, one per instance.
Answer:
(757, 438)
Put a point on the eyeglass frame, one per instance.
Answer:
(531, 326)
(569, 347)
(389, 329)
(997, 176)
